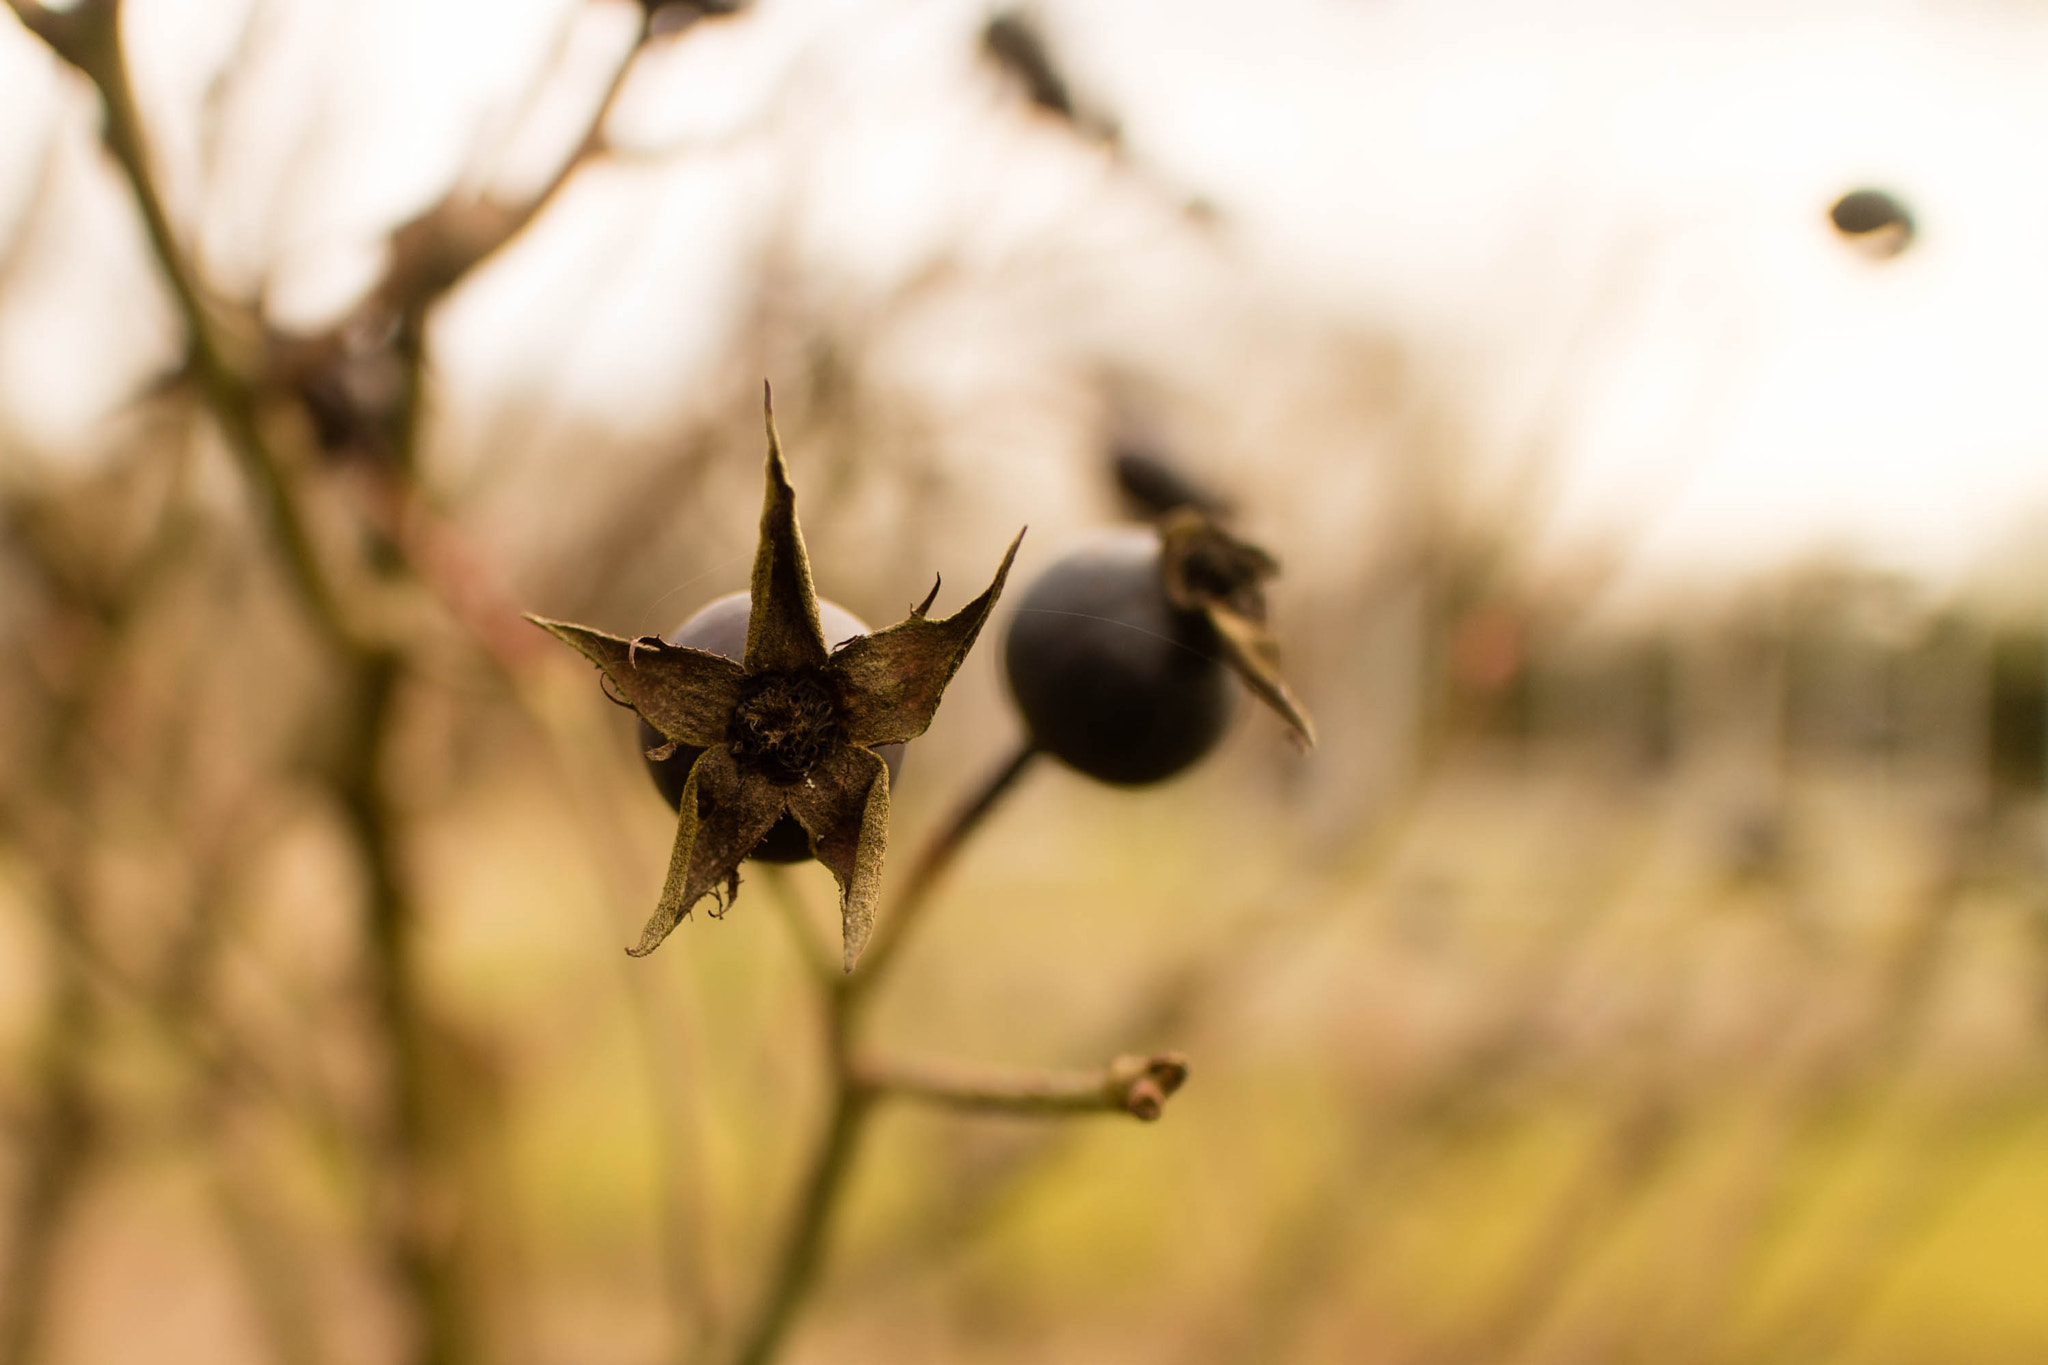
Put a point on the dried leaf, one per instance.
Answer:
(844, 806)
(720, 818)
(783, 633)
(687, 694)
(892, 680)
(1207, 569)
(1249, 648)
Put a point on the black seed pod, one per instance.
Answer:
(1111, 676)
(721, 628)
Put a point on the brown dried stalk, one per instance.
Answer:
(1139, 1086)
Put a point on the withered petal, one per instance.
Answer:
(891, 681)
(687, 694)
(1248, 647)
(709, 849)
(844, 806)
(783, 634)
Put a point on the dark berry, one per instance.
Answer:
(1112, 678)
(1874, 220)
(721, 628)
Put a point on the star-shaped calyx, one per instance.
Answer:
(1208, 570)
(792, 727)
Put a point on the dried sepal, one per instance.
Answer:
(1205, 565)
(783, 633)
(1206, 569)
(1250, 650)
(844, 807)
(790, 728)
(687, 694)
(720, 818)
(893, 679)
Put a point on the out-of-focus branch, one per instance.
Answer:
(364, 380)
(55, 1156)
(1138, 1086)
(88, 37)
(819, 959)
(932, 864)
(432, 252)
(803, 1239)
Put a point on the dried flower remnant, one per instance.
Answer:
(790, 728)
(1210, 571)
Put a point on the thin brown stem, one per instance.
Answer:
(440, 252)
(820, 961)
(933, 863)
(56, 1162)
(803, 1244)
(271, 1266)
(419, 1251)
(1138, 1086)
(437, 250)
(666, 1042)
(856, 1087)
(89, 38)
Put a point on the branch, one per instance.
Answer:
(88, 37)
(1138, 1086)
(820, 961)
(932, 863)
(369, 396)
(432, 252)
(803, 1246)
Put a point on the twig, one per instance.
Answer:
(88, 37)
(271, 1265)
(933, 863)
(852, 1092)
(803, 1245)
(430, 256)
(819, 961)
(439, 249)
(436, 250)
(416, 1249)
(55, 1163)
(1138, 1086)
(666, 1050)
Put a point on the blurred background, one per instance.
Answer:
(1647, 966)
